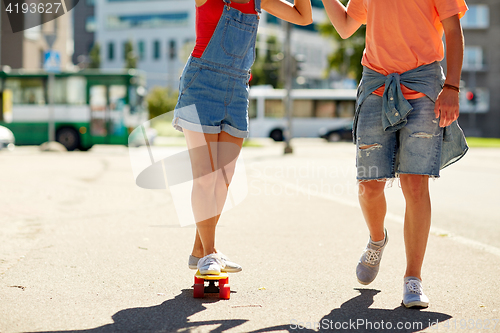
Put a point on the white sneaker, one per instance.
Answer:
(210, 264)
(413, 293)
(231, 267)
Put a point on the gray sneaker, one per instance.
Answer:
(369, 263)
(231, 267)
(413, 293)
(210, 264)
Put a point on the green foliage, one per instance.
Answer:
(483, 142)
(161, 100)
(266, 69)
(130, 57)
(340, 59)
(95, 56)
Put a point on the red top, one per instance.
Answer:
(207, 18)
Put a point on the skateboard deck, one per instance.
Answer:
(211, 284)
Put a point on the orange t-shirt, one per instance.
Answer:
(403, 34)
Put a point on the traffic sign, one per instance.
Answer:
(52, 62)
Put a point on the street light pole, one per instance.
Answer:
(50, 38)
(474, 131)
(52, 126)
(288, 86)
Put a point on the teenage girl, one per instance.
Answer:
(212, 109)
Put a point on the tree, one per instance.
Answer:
(347, 57)
(161, 100)
(130, 57)
(266, 69)
(95, 56)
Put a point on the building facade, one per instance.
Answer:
(307, 42)
(26, 49)
(480, 100)
(163, 35)
(83, 30)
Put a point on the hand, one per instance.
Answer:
(447, 107)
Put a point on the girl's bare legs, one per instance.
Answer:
(203, 193)
(208, 153)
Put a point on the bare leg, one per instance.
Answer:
(373, 205)
(417, 221)
(224, 150)
(228, 152)
(203, 194)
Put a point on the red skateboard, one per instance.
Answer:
(222, 286)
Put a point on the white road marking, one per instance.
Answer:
(389, 216)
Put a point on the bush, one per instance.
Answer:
(161, 100)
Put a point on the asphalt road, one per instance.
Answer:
(82, 248)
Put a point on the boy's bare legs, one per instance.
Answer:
(227, 149)
(417, 221)
(417, 216)
(373, 205)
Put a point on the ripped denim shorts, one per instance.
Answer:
(413, 149)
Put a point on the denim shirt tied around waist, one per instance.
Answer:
(427, 79)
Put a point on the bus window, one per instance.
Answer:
(76, 86)
(345, 109)
(26, 90)
(97, 109)
(117, 94)
(325, 109)
(136, 98)
(274, 108)
(59, 93)
(303, 108)
(69, 90)
(252, 108)
(117, 97)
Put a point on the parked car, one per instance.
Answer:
(339, 134)
(7, 139)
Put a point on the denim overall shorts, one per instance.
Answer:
(217, 83)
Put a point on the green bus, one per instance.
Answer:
(88, 106)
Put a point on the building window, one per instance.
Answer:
(477, 17)
(111, 51)
(172, 50)
(90, 2)
(156, 50)
(90, 24)
(124, 49)
(473, 58)
(154, 20)
(141, 50)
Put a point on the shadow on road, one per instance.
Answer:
(355, 315)
(169, 316)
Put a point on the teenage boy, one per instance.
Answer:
(405, 123)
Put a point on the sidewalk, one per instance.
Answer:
(84, 249)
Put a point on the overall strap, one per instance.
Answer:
(257, 6)
(227, 3)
